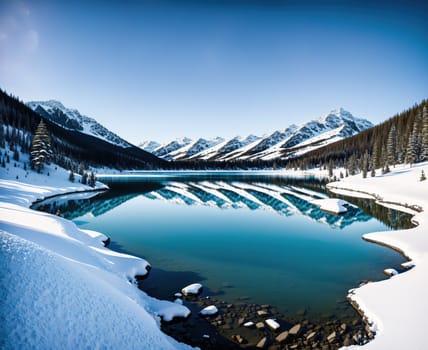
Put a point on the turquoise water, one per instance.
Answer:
(258, 241)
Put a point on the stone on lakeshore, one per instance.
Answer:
(241, 321)
(332, 337)
(311, 336)
(209, 310)
(249, 324)
(178, 295)
(282, 337)
(347, 341)
(240, 339)
(294, 346)
(265, 306)
(272, 324)
(343, 327)
(262, 343)
(262, 313)
(260, 325)
(390, 272)
(295, 330)
(192, 289)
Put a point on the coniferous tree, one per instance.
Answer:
(81, 168)
(411, 146)
(92, 179)
(41, 152)
(375, 155)
(365, 164)
(425, 133)
(84, 178)
(2, 143)
(423, 177)
(71, 176)
(16, 155)
(392, 146)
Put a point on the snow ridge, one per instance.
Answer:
(71, 119)
(292, 141)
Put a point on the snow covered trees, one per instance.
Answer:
(425, 133)
(41, 151)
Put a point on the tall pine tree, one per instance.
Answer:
(425, 133)
(41, 151)
(391, 146)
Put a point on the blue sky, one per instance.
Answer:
(165, 69)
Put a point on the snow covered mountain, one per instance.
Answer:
(293, 141)
(71, 119)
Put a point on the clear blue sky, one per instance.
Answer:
(165, 69)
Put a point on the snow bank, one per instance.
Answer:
(61, 288)
(396, 307)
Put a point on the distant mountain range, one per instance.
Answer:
(293, 141)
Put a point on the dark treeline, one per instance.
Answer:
(401, 139)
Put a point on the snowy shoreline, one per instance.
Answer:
(395, 308)
(384, 304)
(60, 287)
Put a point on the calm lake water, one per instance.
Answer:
(252, 239)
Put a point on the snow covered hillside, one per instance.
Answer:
(292, 141)
(60, 287)
(396, 308)
(71, 119)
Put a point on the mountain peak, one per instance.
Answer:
(71, 119)
(283, 143)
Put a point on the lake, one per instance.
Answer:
(251, 238)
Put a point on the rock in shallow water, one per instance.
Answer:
(209, 310)
(192, 289)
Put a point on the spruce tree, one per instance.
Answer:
(423, 177)
(41, 151)
(411, 146)
(71, 176)
(365, 165)
(391, 146)
(92, 179)
(425, 133)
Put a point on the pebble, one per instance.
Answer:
(295, 330)
(311, 336)
(282, 337)
(332, 337)
(262, 343)
(260, 325)
(239, 338)
(262, 313)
